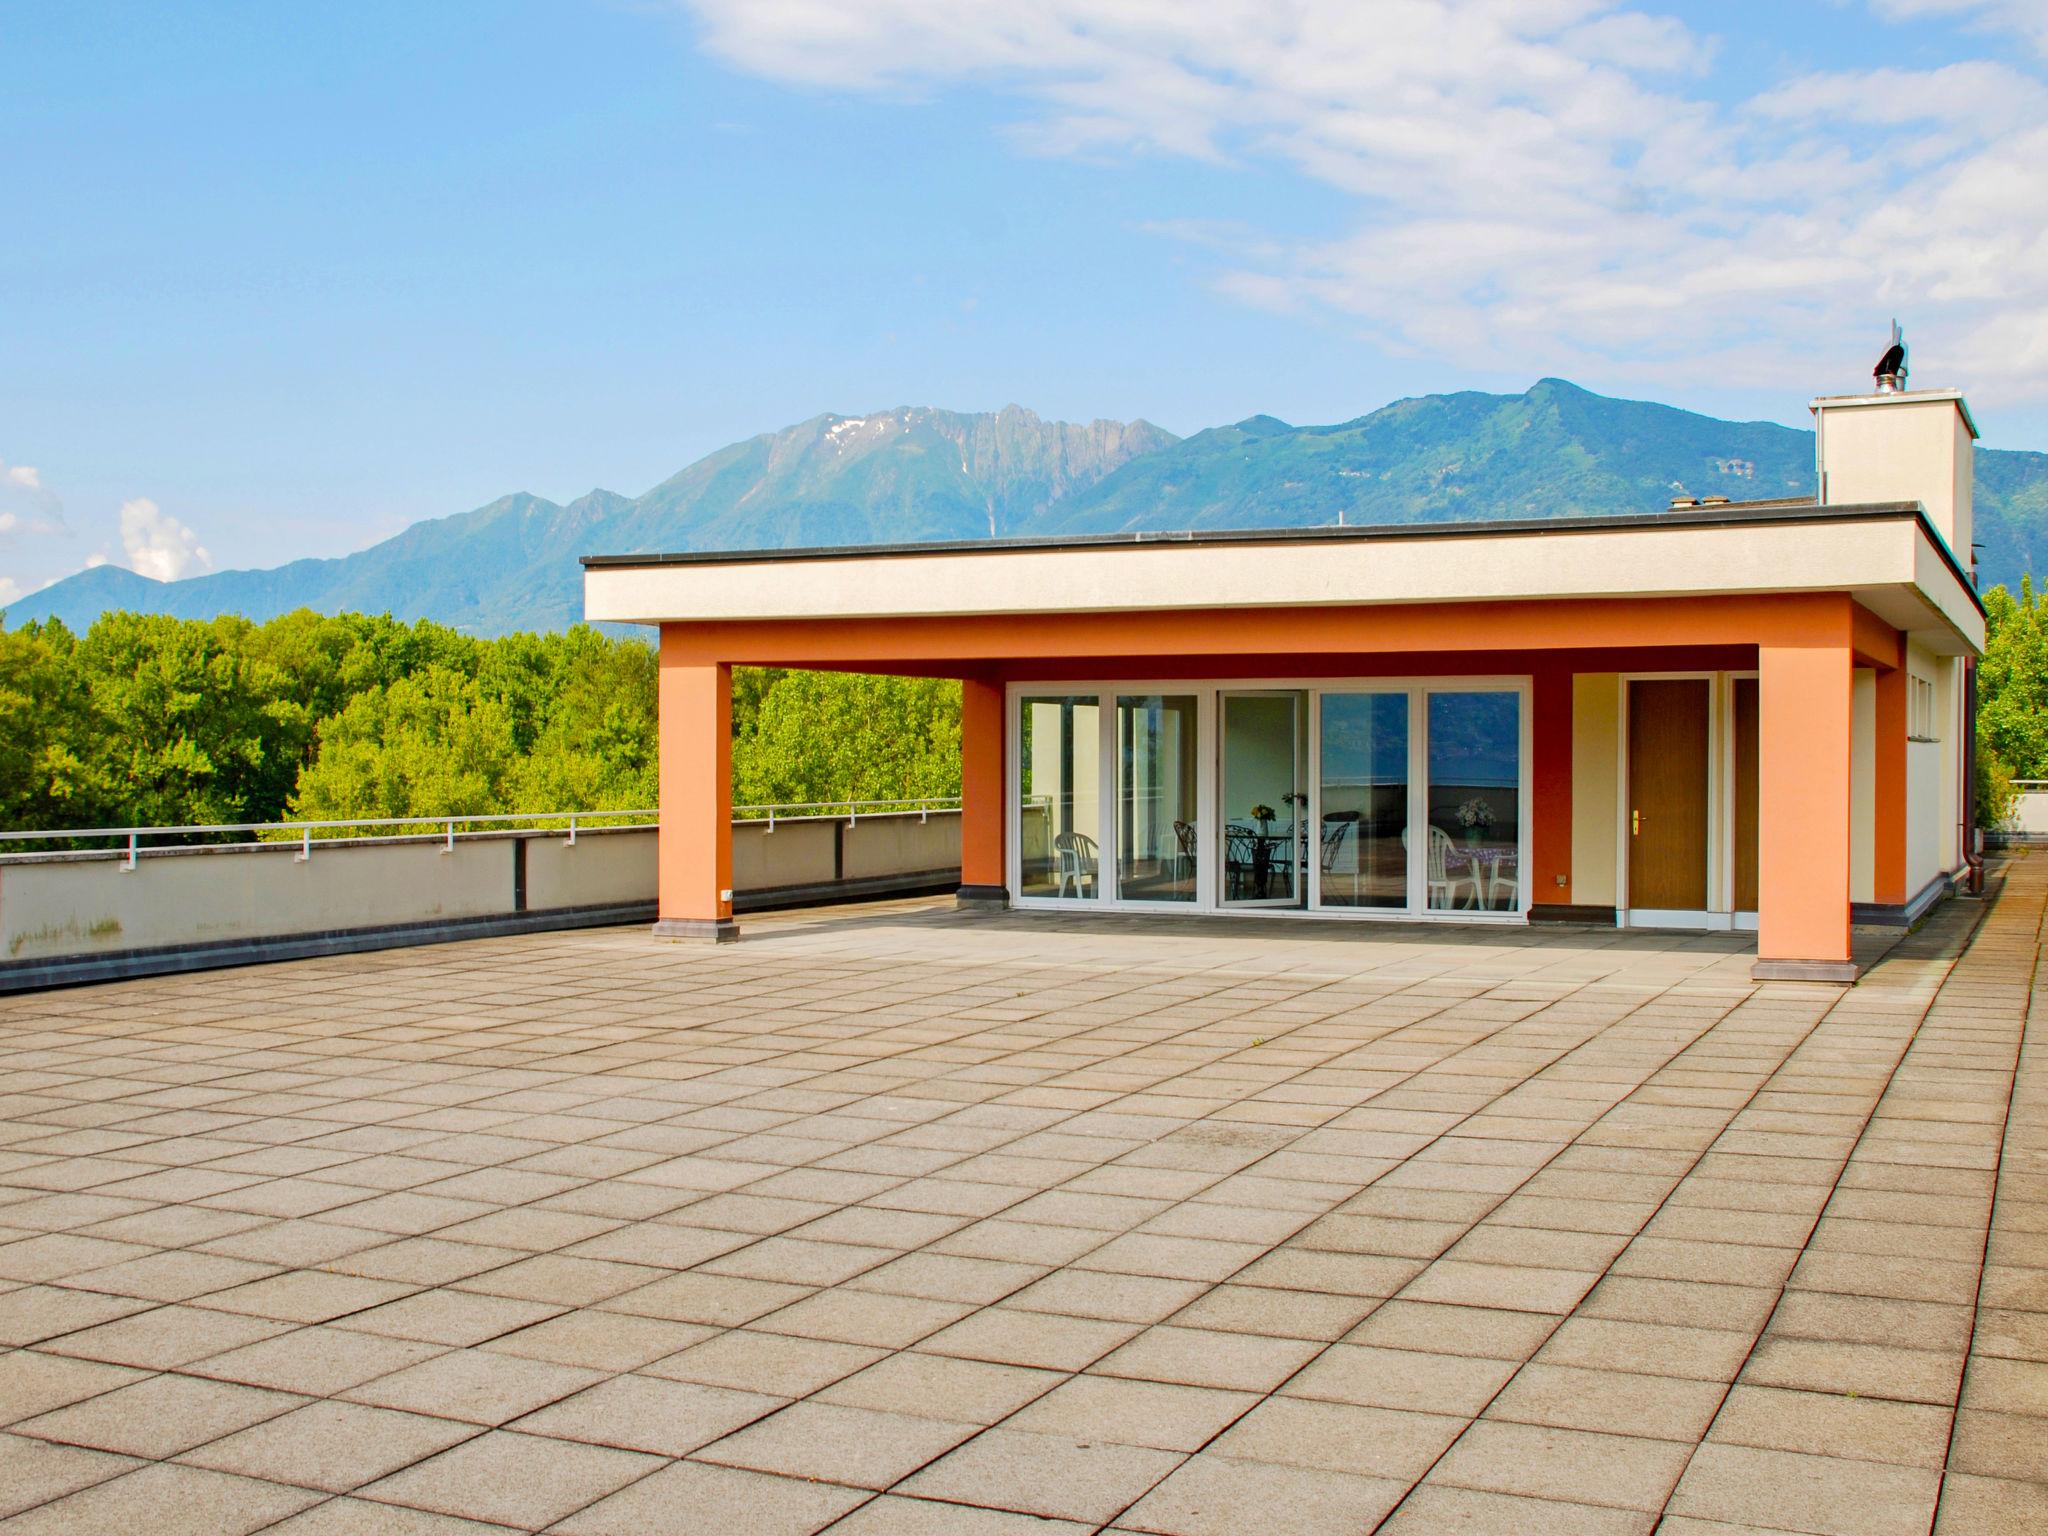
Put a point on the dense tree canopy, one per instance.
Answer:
(151, 721)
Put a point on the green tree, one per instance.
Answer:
(829, 737)
(47, 777)
(190, 725)
(431, 744)
(2012, 683)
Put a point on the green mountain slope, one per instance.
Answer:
(915, 473)
(1556, 451)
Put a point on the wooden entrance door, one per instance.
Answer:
(1667, 795)
(1746, 762)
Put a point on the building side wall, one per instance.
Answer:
(1596, 789)
(1933, 776)
(1863, 787)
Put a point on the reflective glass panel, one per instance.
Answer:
(1155, 804)
(1265, 825)
(1475, 809)
(1363, 837)
(1059, 814)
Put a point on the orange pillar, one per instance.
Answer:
(1550, 780)
(695, 858)
(1888, 863)
(1803, 822)
(984, 873)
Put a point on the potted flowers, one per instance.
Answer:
(1476, 817)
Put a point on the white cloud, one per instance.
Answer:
(25, 474)
(10, 589)
(26, 504)
(95, 560)
(157, 544)
(2028, 18)
(1537, 184)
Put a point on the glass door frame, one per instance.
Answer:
(1208, 692)
(1298, 812)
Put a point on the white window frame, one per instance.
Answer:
(1208, 875)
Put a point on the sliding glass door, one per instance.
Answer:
(1362, 849)
(1475, 802)
(1157, 845)
(1264, 820)
(1059, 820)
(1391, 797)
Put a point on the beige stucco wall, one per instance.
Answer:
(1596, 810)
(1863, 786)
(1916, 446)
(1933, 776)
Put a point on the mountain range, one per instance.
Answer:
(916, 473)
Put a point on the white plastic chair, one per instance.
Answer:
(1438, 876)
(1077, 856)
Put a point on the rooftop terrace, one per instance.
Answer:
(896, 1220)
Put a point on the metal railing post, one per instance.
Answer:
(128, 864)
(449, 846)
(305, 853)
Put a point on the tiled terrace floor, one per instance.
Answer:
(903, 1221)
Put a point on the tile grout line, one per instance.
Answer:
(2019, 1057)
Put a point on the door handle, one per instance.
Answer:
(1635, 823)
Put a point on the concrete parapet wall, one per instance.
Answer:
(64, 906)
(2030, 814)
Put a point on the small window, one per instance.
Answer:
(1921, 724)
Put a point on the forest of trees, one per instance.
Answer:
(150, 721)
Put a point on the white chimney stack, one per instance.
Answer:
(1901, 445)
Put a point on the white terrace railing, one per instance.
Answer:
(848, 811)
(132, 839)
(447, 829)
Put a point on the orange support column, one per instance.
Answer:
(1803, 820)
(1550, 780)
(984, 873)
(1888, 862)
(695, 858)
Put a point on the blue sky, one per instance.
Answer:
(279, 280)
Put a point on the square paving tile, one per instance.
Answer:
(647, 1413)
(159, 1417)
(1043, 1474)
(1212, 1495)
(334, 1446)
(513, 1479)
(829, 1442)
(475, 1385)
(696, 1496)
(166, 1500)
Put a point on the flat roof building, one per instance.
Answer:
(1712, 716)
